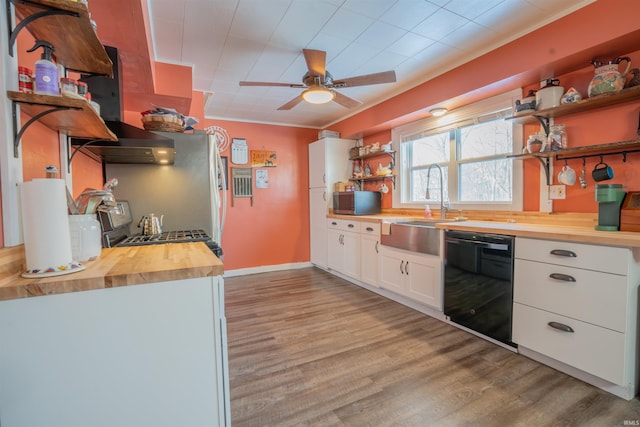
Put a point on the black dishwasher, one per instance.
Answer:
(478, 282)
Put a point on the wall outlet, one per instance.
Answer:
(557, 192)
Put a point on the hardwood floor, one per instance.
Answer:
(308, 348)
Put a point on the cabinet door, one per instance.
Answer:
(317, 164)
(335, 249)
(424, 280)
(369, 259)
(391, 270)
(351, 254)
(318, 227)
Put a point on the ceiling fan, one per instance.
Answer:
(319, 84)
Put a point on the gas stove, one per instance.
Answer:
(115, 226)
(182, 236)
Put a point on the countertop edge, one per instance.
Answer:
(519, 229)
(116, 267)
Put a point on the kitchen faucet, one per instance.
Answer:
(444, 206)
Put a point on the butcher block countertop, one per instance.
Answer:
(115, 267)
(537, 228)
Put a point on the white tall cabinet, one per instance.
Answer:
(328, 164)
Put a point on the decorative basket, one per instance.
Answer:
(354, 152)
(164, 123)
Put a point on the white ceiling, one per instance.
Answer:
(227, 41)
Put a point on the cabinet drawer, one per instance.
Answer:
(344, 225)
(591, 257)
(590, 348)
(370, 228)
(590, 296)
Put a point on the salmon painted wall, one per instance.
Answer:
(275, 230)
(551, 51)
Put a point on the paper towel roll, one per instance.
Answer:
(45, 227)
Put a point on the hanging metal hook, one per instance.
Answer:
(584, 162)
(565, 162)
(624, 157)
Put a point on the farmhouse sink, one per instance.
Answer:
(415, 236)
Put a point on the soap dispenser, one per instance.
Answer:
(46, 82)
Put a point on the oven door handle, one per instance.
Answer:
(496, 246)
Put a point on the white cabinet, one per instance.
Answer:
(344, 247)
(328, 163)
(577, 304)
(144, 355)
(369, 252)
(413, 275)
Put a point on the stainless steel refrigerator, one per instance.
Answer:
(187, 193)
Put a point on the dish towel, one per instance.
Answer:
(385, 228)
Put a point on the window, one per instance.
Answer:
(467, 153)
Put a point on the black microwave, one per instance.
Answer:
(356, 202)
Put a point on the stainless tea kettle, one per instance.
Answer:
(151, 224)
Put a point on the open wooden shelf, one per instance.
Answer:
(587, 104)
(586, 151)
(77, 118)
(374, 154)
(69, 30)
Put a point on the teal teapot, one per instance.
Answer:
(608, 77)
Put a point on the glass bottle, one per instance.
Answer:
(557, 138)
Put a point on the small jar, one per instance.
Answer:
(557, 138)
(68, 87)
(83, 89)
(25, 80)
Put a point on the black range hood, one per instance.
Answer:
(134, 145)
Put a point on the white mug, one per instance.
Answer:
(567, 175)
(384, 189)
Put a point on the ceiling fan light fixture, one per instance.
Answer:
(438, 112)
(318, 95)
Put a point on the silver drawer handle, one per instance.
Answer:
(350, 225)
(369, 228)
(562, 252)
(561, 326)
(334, 223)
(563, 277)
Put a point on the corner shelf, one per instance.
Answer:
(369, 155)
(67, 26)
(599, 101)
(72, 115)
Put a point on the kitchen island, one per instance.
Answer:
(138, 338)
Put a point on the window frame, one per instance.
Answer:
(499, 106)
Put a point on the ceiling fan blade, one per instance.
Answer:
(316, 62)
(289, 105)
(296, 85)
(345, 101)
(367, 79)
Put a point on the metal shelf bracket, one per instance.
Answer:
(17, 135)
(13, 33)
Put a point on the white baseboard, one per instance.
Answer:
(266, 269)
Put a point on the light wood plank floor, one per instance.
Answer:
(307, 348)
